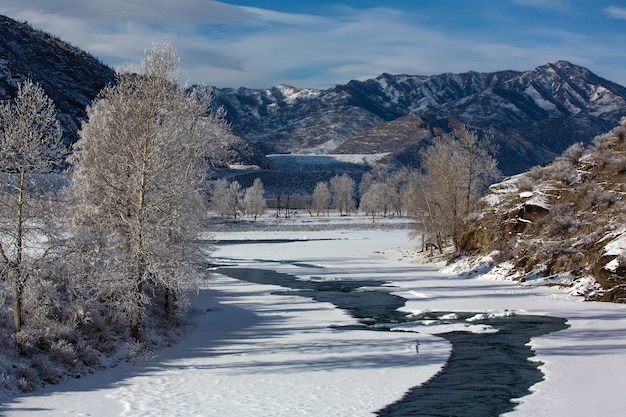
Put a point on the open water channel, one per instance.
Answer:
(484, 372)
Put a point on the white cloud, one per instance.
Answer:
(148, 11)
(544, 4)
(616, 12)
(228, 45)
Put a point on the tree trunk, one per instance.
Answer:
(166, 302)
(19, 243)
(17, 306)
(136, 312)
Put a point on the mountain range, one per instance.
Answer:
(532, 115)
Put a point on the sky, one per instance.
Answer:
(319, 44)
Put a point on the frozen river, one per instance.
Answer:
(259, 350)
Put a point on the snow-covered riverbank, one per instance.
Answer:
(254, 353)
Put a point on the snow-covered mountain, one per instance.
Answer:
(533, 115)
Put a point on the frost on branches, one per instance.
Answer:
(139, 169)
(30, 145)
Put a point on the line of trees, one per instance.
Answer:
(228, 199)
(454, 172)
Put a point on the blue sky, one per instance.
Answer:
(318, 44)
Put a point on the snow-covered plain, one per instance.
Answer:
(254, 353)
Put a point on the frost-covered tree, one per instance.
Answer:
(321, 198)
(367, 180)
(342, 191)
(219, 197)
(30, 145)
(234, 199)
(138, 169)
(388, 195)
(395, 185)
(458, 168)
(373, 202)
(254, 199)
(379, 173)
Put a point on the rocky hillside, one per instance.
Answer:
(68, 75)
(533, 115)
(559, 224)
(400, 139)
(232, 151)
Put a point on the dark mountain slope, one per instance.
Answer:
(69, 76)
(401, 139)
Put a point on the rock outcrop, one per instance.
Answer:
(561, 223)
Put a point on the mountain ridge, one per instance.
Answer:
(533, 115)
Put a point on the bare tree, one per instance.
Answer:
(342, 190)
(321, 196)
(477, 164)
(30, 145)
(373, 202)
(254, 199)
(219, 197)
(139, 166)
(424, 211)
(458, 169)
(234, 199)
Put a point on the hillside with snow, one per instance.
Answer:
(560, 224)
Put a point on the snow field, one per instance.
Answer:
(255, 353)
